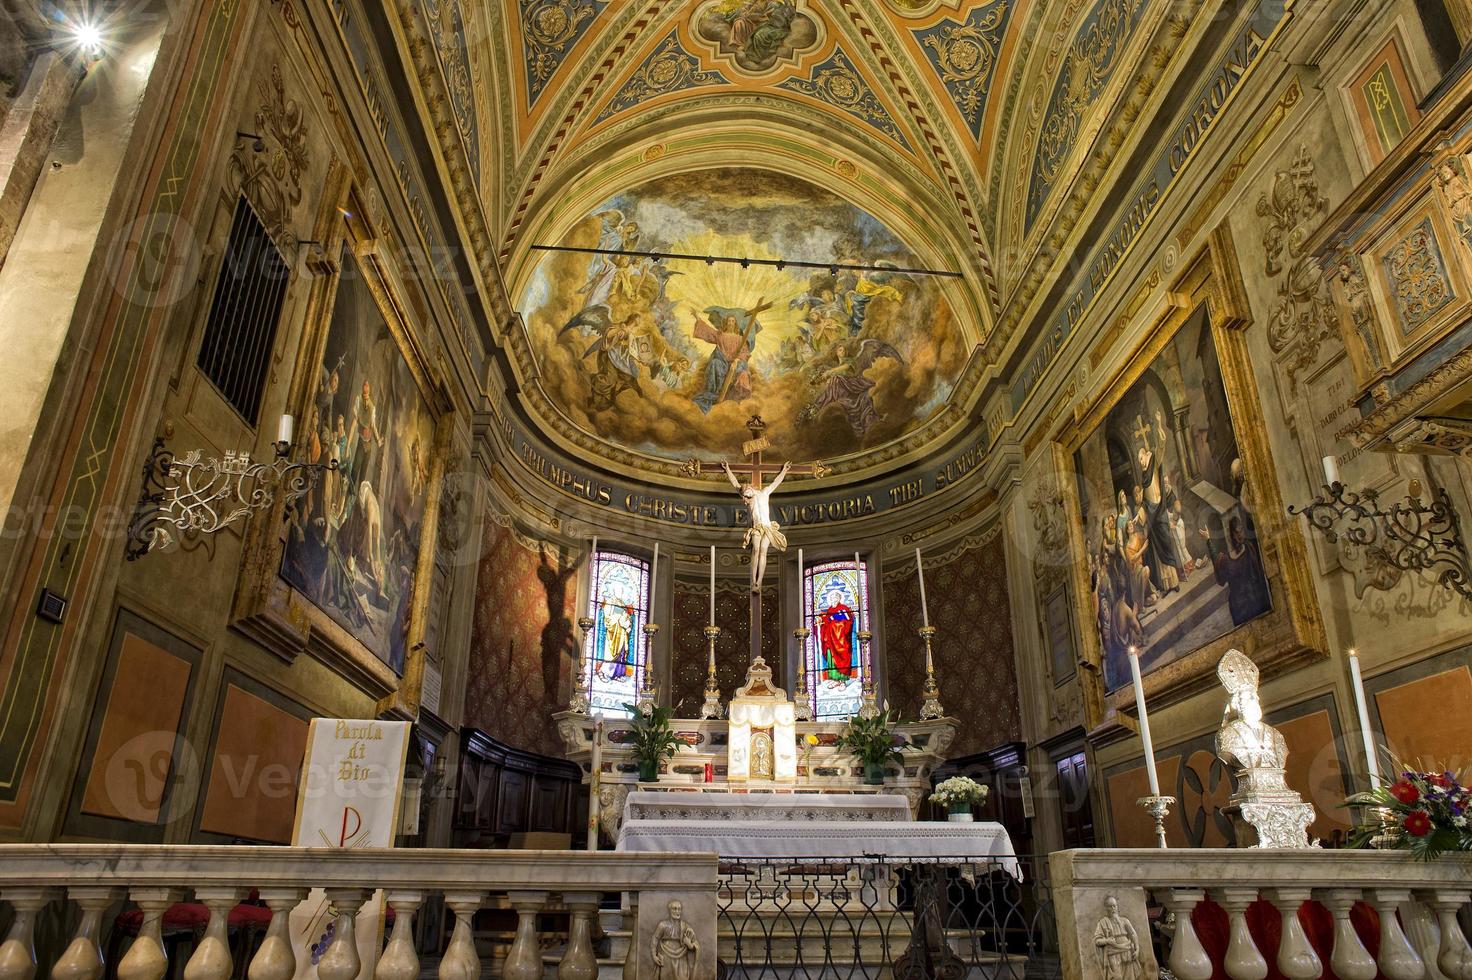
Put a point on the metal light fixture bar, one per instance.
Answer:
(207, 495)
(746, 263)
(1410, 535)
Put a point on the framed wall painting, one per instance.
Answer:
(1181, 544)
(346, 573)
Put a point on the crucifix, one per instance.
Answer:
(764, 533)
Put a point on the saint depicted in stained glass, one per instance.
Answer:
(616, 655)
(835, 602)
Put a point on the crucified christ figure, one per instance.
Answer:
(764, 532)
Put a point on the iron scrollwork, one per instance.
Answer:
(206, 495)
(1412, 535)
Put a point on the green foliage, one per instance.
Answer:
(872, 740)
(654, 740)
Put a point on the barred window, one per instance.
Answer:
(241, 329)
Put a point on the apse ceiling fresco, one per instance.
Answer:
(964, 129)
(672, 356)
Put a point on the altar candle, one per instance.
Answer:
(859, 578)
(1144, 722)
(595, 777)
(653, 580)
(1372, 764)
(712, 585)
(799, 572)
(284, 429)
(1331, 470)
(920, 573)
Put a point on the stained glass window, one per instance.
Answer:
(835, 602)
(617, 651)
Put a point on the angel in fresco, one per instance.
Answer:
(614, 234)
(840, 373)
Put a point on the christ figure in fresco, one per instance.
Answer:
(836, 640)
(727, 374)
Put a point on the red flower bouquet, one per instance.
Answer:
(1428, 813)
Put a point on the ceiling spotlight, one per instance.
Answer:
(87, 37)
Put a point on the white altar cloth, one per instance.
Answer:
(772, 808)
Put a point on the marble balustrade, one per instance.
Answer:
(1420, 910)
(98, 878)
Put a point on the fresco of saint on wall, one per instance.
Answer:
(672, 356)
(1169, 525)
(353, 543)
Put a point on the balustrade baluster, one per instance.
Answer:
(631, 925)
(1244, 960)
(1297, 959)
(18, 952)
(579, 962)
(399, 960)
(82, 959)
(1454, 956)
(460, 961)
(1349, 960)
(524, 959)
(211, 959)
(1188, 959)
(146, 959)
(340, 961)
(274, 960)
(1398, 958)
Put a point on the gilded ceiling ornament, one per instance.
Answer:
(447, 31)
(669, 69)
(757, 37)
(964, 55)
(838, 84)
(551, 28)
(1303, 316)
(1087, 67)
(272, 179)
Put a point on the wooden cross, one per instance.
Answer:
(754, 469)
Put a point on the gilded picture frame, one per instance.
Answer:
(270, 606)
(1292, 631)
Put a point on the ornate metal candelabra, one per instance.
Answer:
(648, 693)
(1410, 535)
(581, 689)
(1158, 807)
(207, 495)
(711, 707)
(930, 708)
(869, 705)
(802, 700)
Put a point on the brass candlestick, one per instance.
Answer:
(930, 708)
(580, 700)
(802, 705)
(711, 707)
(869, 705)
(648, 694)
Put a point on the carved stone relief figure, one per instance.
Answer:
(1116, 944)
(674, 946)
(1360, 307)
(1303, 316)
(1456, 194)
(268, 170)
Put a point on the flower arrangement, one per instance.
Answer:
(873, 742)
(809, 742)
(1427, 813)
(959, 791)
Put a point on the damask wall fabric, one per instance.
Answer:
(967, 591)
(523, 647)
(733, 649)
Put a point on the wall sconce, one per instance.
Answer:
(207, 495)
(1410, 535)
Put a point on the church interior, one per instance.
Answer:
(735, 488)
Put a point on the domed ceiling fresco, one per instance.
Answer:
(672, 356)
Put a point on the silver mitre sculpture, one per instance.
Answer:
(1256, 751)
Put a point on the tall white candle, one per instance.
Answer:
(595, 777)
(1331, 469)
(653, 580)
(712, 585)
(920, 573)
(1144, 722)
(1372, 764)
(859, 578)
(284, 429)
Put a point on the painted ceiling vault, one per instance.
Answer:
(946, 134)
